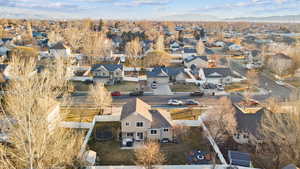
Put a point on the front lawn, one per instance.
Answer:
(124, 87)
(184, 88)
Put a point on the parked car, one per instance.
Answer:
(175, 102)
(197, 94)
(136, 93)
(165, 140)
(116, 93)
(192, 102)
(220, 87)
(279, 82)
(154, 85)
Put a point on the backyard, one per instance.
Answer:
(109, 152)
(184, 88)
(124, 87)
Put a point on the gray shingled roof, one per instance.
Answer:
(109, 67)
(191, 58)
(159, 121)
(136, 105)
(58, 45)
(165, 71)
(249, 122)
(222, 72)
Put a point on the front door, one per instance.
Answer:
(140, 136)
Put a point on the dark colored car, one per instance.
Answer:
(136, 93)
(197, 94)
(116, 93)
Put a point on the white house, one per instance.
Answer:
(234, 47)
(60, 50)
(216, 75)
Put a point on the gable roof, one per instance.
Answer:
(136, 106)
(217, 72)
(191, 58)
(189, 50)
(59, 45)
(160, 119)
(249, 122)
(109, 67)
(165, 71)
(157, 72)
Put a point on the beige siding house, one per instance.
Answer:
(140, 123)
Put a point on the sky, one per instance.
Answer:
(146, 9)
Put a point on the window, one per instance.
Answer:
(129, 134)
(139, 124)
(153, 131)
(127, 124)
(166, 130)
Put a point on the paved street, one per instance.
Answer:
(265, 82)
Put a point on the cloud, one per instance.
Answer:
(135, 3)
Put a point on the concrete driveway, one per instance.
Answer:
(162, 89)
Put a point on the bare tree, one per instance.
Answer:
(156, 58)
(279, 131)
(54, 37)
(221, 120)
(100, 96)
(37, 141)
(160, 43)
(133, 50)
(252, 81)
(200, 47)
(149, 155)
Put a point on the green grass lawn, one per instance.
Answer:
(184, 88)
(124, 87)
(109, 152)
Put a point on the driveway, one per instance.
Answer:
(162, 89)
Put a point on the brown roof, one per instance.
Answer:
(158, 118)
(138, 106)
(161, 119)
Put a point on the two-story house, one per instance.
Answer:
(107, 73)
(139, 122)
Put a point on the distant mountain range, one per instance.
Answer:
(285, 18)
(199, 17)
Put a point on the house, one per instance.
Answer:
(107, 73)
(174, 46)
(197, 61)
(234, 47)
(239, 159)
(188, 52)
(248, 115)
(216, 75)
(165, 75)
(279, 63)
(60, 50)
(139, 122)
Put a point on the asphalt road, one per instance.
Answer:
(277, 91)
(81, 99)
